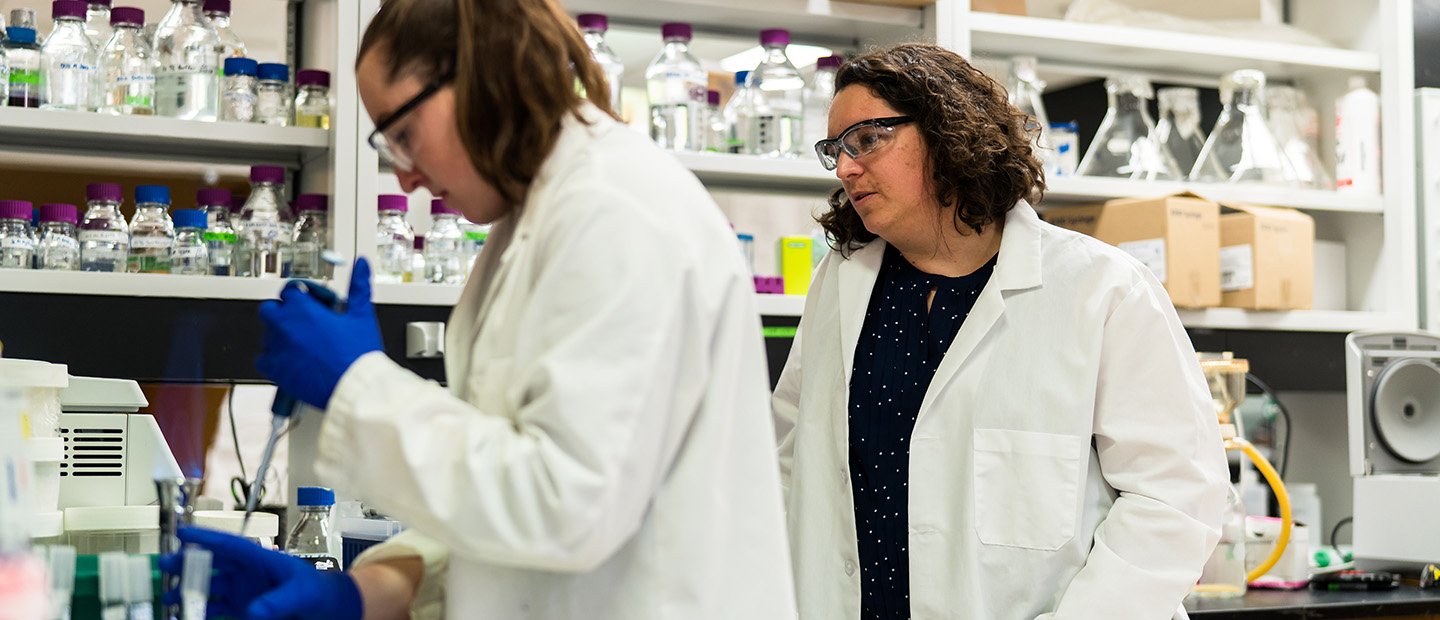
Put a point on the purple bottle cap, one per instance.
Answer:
(712, 97)
(267, 174)
(211, 196)
(419, 243)
(107, 192)
(312, 202)
(59, 213)
(312, 77)
(593, 21)
(16, 210)
(104, 3)
(68, 8)
(394, 202)
(677, 31)
(217, 6)
(127, 15)
(830, 62)
(774, 36)
(438, 207)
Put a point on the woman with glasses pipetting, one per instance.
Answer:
(983, 415)
(604, 448)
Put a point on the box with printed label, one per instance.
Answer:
(1267, 258)
(1177, 237)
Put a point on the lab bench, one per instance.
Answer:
(1403, 603)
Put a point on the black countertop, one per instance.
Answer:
(1402, 601)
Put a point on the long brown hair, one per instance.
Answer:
(516, 65)
(980, 156)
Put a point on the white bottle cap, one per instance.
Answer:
(1358, 82)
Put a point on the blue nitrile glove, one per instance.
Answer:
(308, 346)
(254, 583)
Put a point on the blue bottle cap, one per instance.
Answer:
(314, 496)
(20, 34)
(741, 77)
(152, 193)
(274, 71)
(241, 66)
(189, 218)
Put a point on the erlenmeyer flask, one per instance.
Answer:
(1025, 90)
(1288, 118)
(1179, 126)
(1126, 144)
(1241, 148)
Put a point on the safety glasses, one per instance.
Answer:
(859, 140)
(393, 147)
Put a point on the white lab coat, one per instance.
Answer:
(1065, 463)
(604, 449)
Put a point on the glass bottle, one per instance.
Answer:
(310, 538)
(104, 233)
(676, 85)
(98, 25)
(779, 92)
(312, 101)
(716, 140)
(190, 256)
(444, 252)
(1179, 126)
(17, 246)
(416, 273)
(475, 235)
(312, 236)
(57, 248)
(239, 93)
(23, 57)
(126, 66)
(739, 114)
(272, 95)
(264, 228)
(1126, 145)
(4, 70)
(1241, 147)
(187, 70)
(394, 240)
(152, 232)
(1286, 121)
(24, 18)
(219, 232)
(218, 12)
(1026, 89)
(594, 27)
(1224, 573)
(68, 60)
(817, 102)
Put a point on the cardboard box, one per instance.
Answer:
(1267, 258)
(1008, 7)
(1177, 237)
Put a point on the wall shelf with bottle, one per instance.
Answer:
(822, 19)
(136, 285)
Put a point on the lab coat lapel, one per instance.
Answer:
(475, 299)
(857, 281)
(1017, 268)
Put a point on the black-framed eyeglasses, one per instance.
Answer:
(858, 140)
(392, 149)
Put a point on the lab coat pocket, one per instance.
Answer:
(1027, 487)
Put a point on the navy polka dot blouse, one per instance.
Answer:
(900, 348)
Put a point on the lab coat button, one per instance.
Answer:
(849, 568)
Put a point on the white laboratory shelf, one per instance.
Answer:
(137, 285)
(749, 171)
(1091, 189)
(416, 294)
(781, 305)
(1293, 320)
(808, 20)
(153, 137)
(1136, 49)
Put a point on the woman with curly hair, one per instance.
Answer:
(983, 415)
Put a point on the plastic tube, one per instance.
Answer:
(114, 585)
(61, 559)
(1287, 520)
(195, 583)
(140, 593)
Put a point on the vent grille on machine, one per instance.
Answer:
(93, 452)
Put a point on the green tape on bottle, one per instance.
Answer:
(778, 332)
(219, 236)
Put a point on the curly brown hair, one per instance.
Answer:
(981, 159)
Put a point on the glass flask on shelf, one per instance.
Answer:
(1287, 122)
(1127, 146)
(1179, 127)
(1025, 89)
(1241, 148)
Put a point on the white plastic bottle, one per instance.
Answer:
(676, 84)
(779, 100)
(1357, 140)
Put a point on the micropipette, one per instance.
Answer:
(284, 406)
